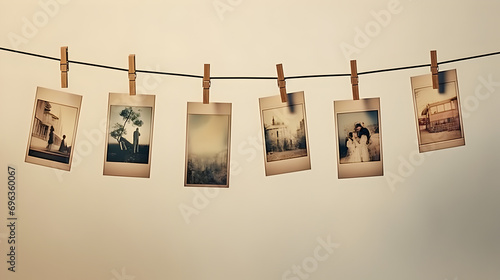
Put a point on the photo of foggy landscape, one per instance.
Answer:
(207, 149)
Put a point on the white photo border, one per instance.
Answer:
(198, 108)
(64, 99)
(128, 169)
(291, 164)
(359, 169)
(425, 81)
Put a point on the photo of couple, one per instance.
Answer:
(359, 142)
(359, 138)
(357, 145)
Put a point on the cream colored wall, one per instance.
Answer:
(432, 216)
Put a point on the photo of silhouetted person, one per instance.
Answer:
(124, 145)
(51, 138)
(136, 140)
(53, 128)
(63, 148)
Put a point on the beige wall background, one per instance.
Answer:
(432, 216)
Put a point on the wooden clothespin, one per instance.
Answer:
(131, 74)
(434, 70)
(281, 82)
(206, 83)
(64, 67)
(354, 80)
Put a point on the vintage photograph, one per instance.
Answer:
(129, 135)
(359, 139)
(284, 131)
(128, 141)
(53, 128)
(437, 112)
(359, 144)
(208, 142)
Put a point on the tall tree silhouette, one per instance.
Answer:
(129, 116)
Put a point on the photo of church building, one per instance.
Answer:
(285, 133)
(52, 132)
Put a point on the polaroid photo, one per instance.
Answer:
(438, 116)
(284, 131)
(129, 135)
(359, 138)
(53, 128)
(208, 143)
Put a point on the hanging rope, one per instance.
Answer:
(251, 78)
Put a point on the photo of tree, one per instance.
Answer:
(129, 134)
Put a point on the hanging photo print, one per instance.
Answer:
(359, 138)
(129, 135)
(284, 130)
(437, 112)
(53, 128)
(208, 142)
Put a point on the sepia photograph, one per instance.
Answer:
(128, 139)
(359, 139)
(359, 148)
(208, 142)
(53, 128)
(437, 112)
(284, 131)
(129, 135)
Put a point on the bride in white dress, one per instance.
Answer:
(353, 152)
(363, 148)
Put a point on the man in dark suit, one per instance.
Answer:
(361, 130)
(136, 140)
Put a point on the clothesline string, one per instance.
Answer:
(251, 78)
